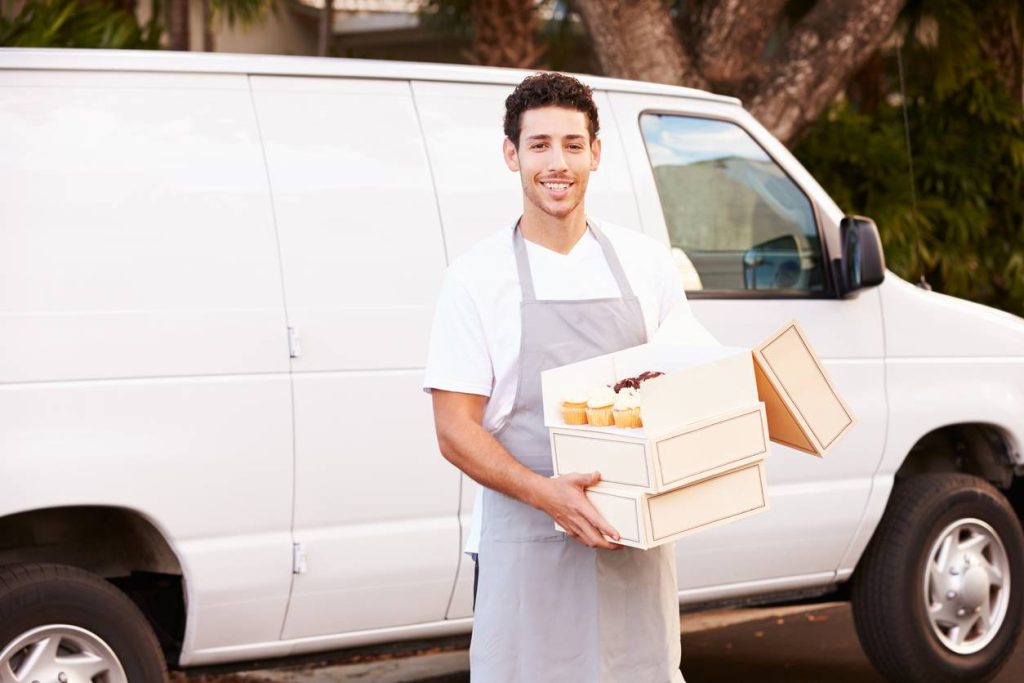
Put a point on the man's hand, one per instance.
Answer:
(468, 446)
(564, 500)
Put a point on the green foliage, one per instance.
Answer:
(967, 139)
(448, 18)
(78, 23)
(243, 12)
(566, 45)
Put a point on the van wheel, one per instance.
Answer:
(61, 620)
(937, 596)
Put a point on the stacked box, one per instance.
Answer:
(657, 462)
(698, 460)
(645, 521)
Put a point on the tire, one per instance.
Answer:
(929, 567)
(44, 607)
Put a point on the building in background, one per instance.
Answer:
(289, 27)
(544, 34)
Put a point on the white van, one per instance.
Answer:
(217, 276)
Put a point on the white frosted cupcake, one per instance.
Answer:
(574, 409)
(626, 409)
(599, 407)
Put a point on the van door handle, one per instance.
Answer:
(294, 343)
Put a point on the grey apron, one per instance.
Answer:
(549, 608)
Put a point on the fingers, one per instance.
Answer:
(579, 517)
(580, 480)
(590, 528)
(590, 536)
(598, 521)
(595, 518)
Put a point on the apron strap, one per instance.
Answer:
(523, 264)
(526, 277)
(613, 262)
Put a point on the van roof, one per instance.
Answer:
(220, 62)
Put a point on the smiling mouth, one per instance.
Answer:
(556, 186)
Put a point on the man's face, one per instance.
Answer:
(554, 158)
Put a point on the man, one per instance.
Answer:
(554, 288)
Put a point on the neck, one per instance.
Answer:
(551, 232)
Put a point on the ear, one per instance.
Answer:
(595, 153)
(508, 151)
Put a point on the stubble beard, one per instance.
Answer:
(536, 197)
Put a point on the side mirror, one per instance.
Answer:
(862, 262)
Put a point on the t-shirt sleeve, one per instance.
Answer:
(458, 358)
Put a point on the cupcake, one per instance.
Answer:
(626, 409)
(599, 407)
(574, 409)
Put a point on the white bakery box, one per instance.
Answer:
(646, 521)
(698, 460)
(700, 418)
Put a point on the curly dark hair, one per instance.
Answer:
(544, 90)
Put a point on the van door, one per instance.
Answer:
(143, 363)
(752, 233)
(375, 503)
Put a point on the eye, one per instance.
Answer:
(537, 145)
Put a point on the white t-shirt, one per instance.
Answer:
(474, 344)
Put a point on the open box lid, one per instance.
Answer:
(666, 402)
(804, 409)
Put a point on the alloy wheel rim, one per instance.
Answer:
(966, 585)
(59, 653)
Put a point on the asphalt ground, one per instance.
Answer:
(817, 646)
(806, 644)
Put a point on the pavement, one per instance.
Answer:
(796, 644)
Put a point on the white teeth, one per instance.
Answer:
(556, 186)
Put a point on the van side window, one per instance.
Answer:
(735, 220)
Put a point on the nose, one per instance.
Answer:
(556, 160)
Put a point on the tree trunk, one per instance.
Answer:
(730, 36)
(177, 24)
(636, 39)
(827, 46)
(1003, 43)
(504, 34)
(326, 29)
(207, 26)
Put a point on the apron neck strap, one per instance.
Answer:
(526, 277)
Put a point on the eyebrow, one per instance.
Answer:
(548, 137)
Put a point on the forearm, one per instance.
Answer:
(476, 452)
(458, 418)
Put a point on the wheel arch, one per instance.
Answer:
(121, 545)
(987, 450)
